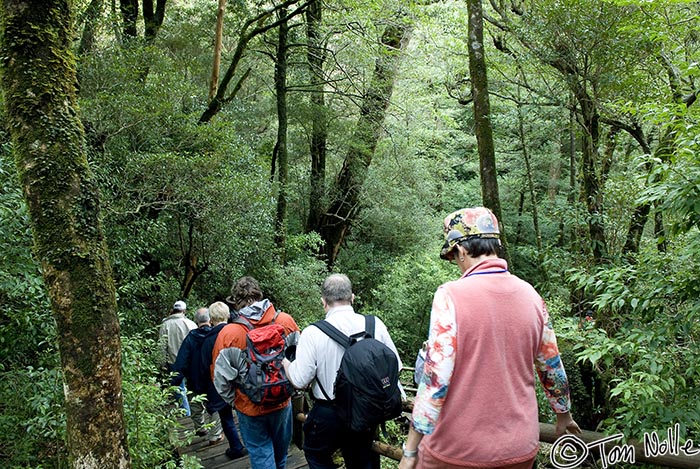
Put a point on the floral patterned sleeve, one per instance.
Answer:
(439, 364)
(550, 368)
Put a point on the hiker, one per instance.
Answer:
(172, 332)
(476, 403)
(189, 368)
(266, 429)
(219, 314)
(318, 358)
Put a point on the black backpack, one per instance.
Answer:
(367, 383)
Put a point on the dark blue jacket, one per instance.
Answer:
(188, 363)
(214, 402)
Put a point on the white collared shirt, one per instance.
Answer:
(319, 355)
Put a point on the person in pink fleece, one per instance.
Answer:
(476, 404)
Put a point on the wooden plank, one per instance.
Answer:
(214, 457)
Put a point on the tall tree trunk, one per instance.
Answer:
(281, 90)
(528, 172)
(640, 214)
(218, 40)
(153, 19)
(245, 36)
(190, 257)
(130, 12)
(338, 218)
(482, 108)
(571, 153)
(660, 232)
(316, 57)
(39, 85)
(591, 186)
(482, 114)
(91, 20)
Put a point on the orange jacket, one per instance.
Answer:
(234, 335)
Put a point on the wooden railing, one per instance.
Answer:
(665, 450)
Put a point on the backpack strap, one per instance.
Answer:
(243, 322)
(369, 326)
(331, 331)
(344, 341)
(248, 325)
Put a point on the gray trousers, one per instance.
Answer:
(203, 420)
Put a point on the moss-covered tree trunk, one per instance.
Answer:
(153, 18)
(482, 108)
(482, 114)
(316, 56)
(130, 13)
(591, 187)
(39, 85)
(91, 22)
(218, 41)
(282, 124)
(343, 208)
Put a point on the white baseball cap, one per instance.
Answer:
(179, 306)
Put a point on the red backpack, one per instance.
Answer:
(265, 381)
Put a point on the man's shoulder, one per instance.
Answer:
(233, 331)
(286, 320)
(312, 333)
(191, 325)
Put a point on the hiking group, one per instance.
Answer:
(475, 405)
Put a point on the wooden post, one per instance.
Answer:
(299, 410)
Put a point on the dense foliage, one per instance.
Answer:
(590, 100)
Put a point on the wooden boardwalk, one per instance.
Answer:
(214, 457)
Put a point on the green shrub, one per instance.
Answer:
(150, 416)
(403, 298)
(644, 346)
(32, 421)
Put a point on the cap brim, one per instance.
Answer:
(446, 250)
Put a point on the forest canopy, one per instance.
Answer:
(287, 140)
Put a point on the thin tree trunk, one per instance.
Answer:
(190, 258)
(519, 225)
(281, 90)
(218, 39)
(660, 232)
(482, 108)
(130, 12)
(571, 153)
(40, 96)
(316, 57)
(153, 19)
(530, 183)
(346, 195)
(91, 20)
(245, 37)
(592, 186)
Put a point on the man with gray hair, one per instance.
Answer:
(317, 361)
(188, 366)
